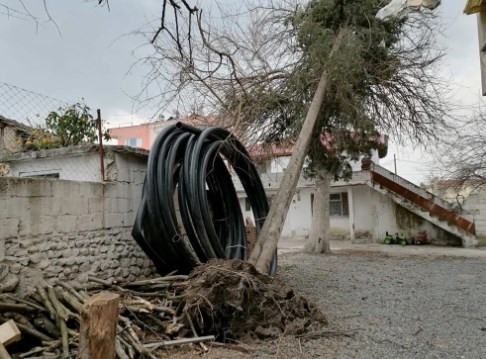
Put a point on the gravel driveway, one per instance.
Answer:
(382, 306)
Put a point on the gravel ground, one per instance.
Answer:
(382, 306)
(395, 307)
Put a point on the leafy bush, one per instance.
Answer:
(68, 126)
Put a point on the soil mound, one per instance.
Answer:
(232, 300)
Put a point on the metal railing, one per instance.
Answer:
(421, 192)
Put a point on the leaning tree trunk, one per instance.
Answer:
(268, 238)
(319, 239)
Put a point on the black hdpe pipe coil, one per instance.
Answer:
(190, 212)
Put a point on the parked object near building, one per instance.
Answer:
(421, 238)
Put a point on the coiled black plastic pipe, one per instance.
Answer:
(190, 212)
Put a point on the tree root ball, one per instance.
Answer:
(232, 300)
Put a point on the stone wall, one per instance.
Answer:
(67, 230)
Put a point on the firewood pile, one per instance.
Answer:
(149, 320)
(227, 298)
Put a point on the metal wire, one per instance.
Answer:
(27, 107)
(31, 109)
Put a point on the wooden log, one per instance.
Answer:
(71, 290)
(33, 332)
(64, 338)
(45, 300)
(44, 323)
(61, 311)
(4, 353)
(72, 301)
(168, 343)
(11, 307)
(9, 333)
(97, 335)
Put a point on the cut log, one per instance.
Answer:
(97, 334)
(4, 353)
(9, 333)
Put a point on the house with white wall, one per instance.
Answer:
(374, 201)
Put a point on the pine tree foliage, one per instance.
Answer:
(382, 80)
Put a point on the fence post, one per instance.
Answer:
(100, 140)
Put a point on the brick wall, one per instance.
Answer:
(56, 229)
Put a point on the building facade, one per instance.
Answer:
(373, 202)
(143, 135)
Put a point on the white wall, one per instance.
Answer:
(79, 167)
(371, 212)
(278, 164)
(476, 204)
(299, 216)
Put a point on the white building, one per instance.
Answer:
(363, 209)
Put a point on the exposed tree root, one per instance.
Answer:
(232, 300)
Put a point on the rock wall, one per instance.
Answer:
(66, 230)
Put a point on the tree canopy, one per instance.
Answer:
(381, 81)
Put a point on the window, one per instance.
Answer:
(133, 142)
(41, 174)
(338, 204)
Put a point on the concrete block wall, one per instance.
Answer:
(54, 229)
(74, 167)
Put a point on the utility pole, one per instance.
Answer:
(395, 161)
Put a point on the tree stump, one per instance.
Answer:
(97, 334)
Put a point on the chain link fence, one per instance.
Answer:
(27, 107)
(29, 110)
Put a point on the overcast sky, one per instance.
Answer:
(92, 58)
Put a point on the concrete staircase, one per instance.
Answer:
(424, 204)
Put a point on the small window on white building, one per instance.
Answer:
(41, 174)
(133, 142)
(338, 205)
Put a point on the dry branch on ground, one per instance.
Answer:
(225, 300)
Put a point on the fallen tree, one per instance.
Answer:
(287, 64)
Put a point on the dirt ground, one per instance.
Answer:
(382, 305)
